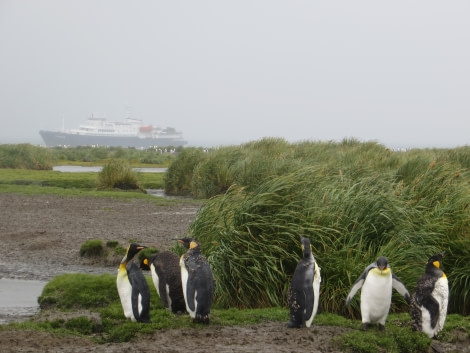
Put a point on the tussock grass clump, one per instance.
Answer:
(179, 174)
(117, 174)
(352, 216)
(112, 244)
(25, 156)
(91, 248)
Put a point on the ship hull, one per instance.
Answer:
(58, 138)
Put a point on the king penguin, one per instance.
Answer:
(377, 282)
(304, 290)
(428, 308)
(166, 275)
(197, 281)
(132, 287)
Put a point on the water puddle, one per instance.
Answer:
(19, 299)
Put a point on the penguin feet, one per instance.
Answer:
(145, 321)
(367, 325)
(202, 319)
(293, 324)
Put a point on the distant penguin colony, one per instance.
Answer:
(304, 290)
(428, 308)
(197, 281)
(166, 275)
(377, 282)
(132, 287)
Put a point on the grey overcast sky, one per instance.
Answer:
(232, 71)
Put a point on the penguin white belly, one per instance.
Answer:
(376, 296)
(184, 283)
(441, 294)
(167, 287)
(125, 292)
(316, 294)
(155, 279)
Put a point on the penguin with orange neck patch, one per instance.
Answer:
(197, 281)
(377, 282)
(133, 288)
(429, 302)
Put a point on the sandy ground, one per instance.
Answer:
(41, 237)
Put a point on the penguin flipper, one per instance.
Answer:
(359, 282)
(400, 288)
(135, 300)
(356, 286)
(190, 294)
(309, 303)
(140, 294)
(432, 306)
(144, 298)
(162, 283)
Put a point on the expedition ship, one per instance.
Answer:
(100, 132)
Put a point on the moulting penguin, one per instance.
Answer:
(429, 302)
(164, 267)
(304, 290)
(197, 281)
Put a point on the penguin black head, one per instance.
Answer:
(382, 263)
(435, 260)
(306, 246)
(132, 250)
(189, 243)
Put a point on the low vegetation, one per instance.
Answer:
(86, 155)
(105, 322)
(25, 156)
(92, 248)
(73, 184)
(118, 174)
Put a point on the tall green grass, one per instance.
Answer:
(354, 201)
